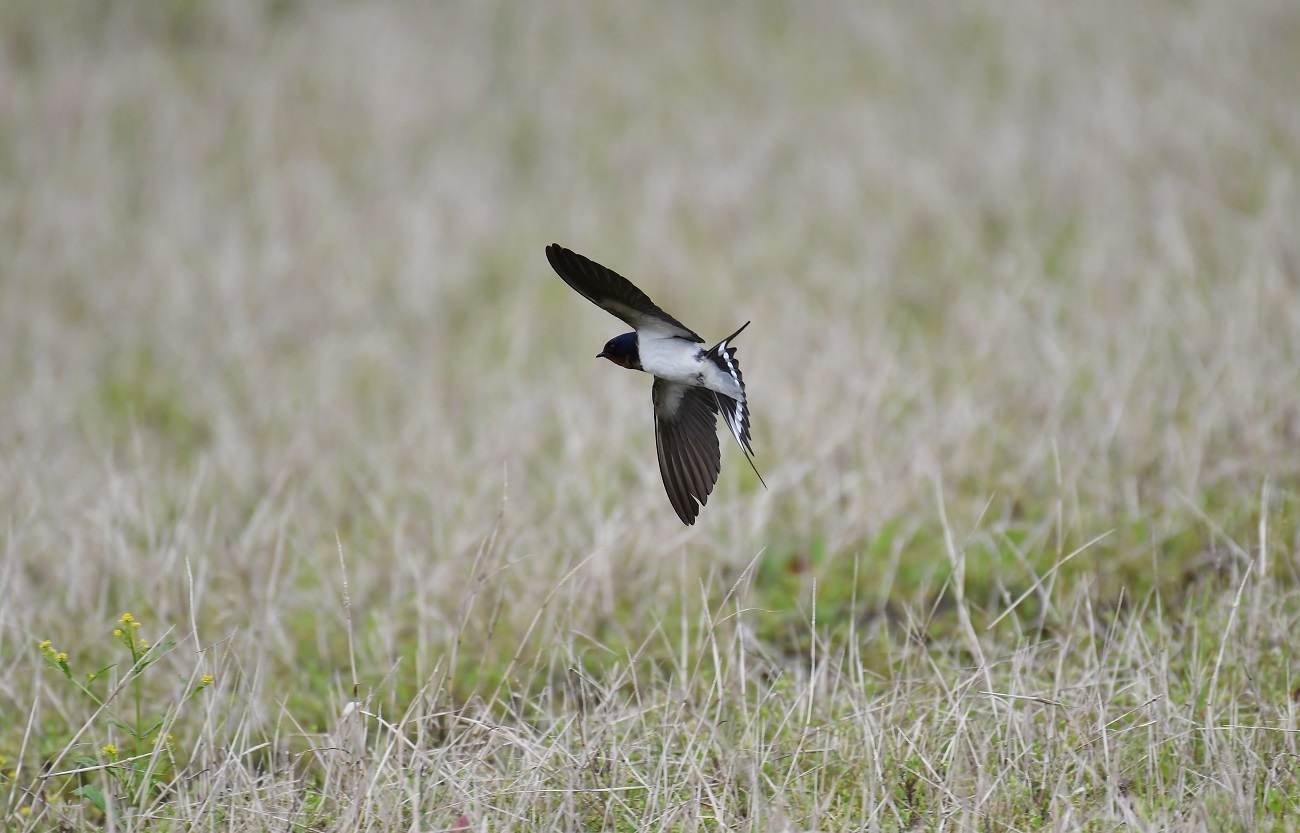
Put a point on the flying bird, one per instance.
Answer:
(692, 385)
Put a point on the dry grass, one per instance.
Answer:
(285, 374)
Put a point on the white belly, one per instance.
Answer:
(678, 360)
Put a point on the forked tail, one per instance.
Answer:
(735, 410)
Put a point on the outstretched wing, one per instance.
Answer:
(686, 438)
(615, 294)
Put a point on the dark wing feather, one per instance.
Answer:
(614, 293)
(686, 438)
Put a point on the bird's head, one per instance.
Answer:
(622, 351)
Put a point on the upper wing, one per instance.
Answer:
(614, 293)
(686, 437)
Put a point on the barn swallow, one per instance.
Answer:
(692, 385)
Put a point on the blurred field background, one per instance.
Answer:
(284, 373)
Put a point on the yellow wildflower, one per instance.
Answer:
(61, 657)
(45, 646)
(207, 679)
(126, 618)
(109, 751)
(135, 625)
(117, 632)
(144, 643)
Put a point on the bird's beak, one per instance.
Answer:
(601, 355)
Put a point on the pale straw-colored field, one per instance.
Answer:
(285, 375)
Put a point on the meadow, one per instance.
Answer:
(317, 512)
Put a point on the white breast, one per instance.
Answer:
(674, 359)
(679, 360)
